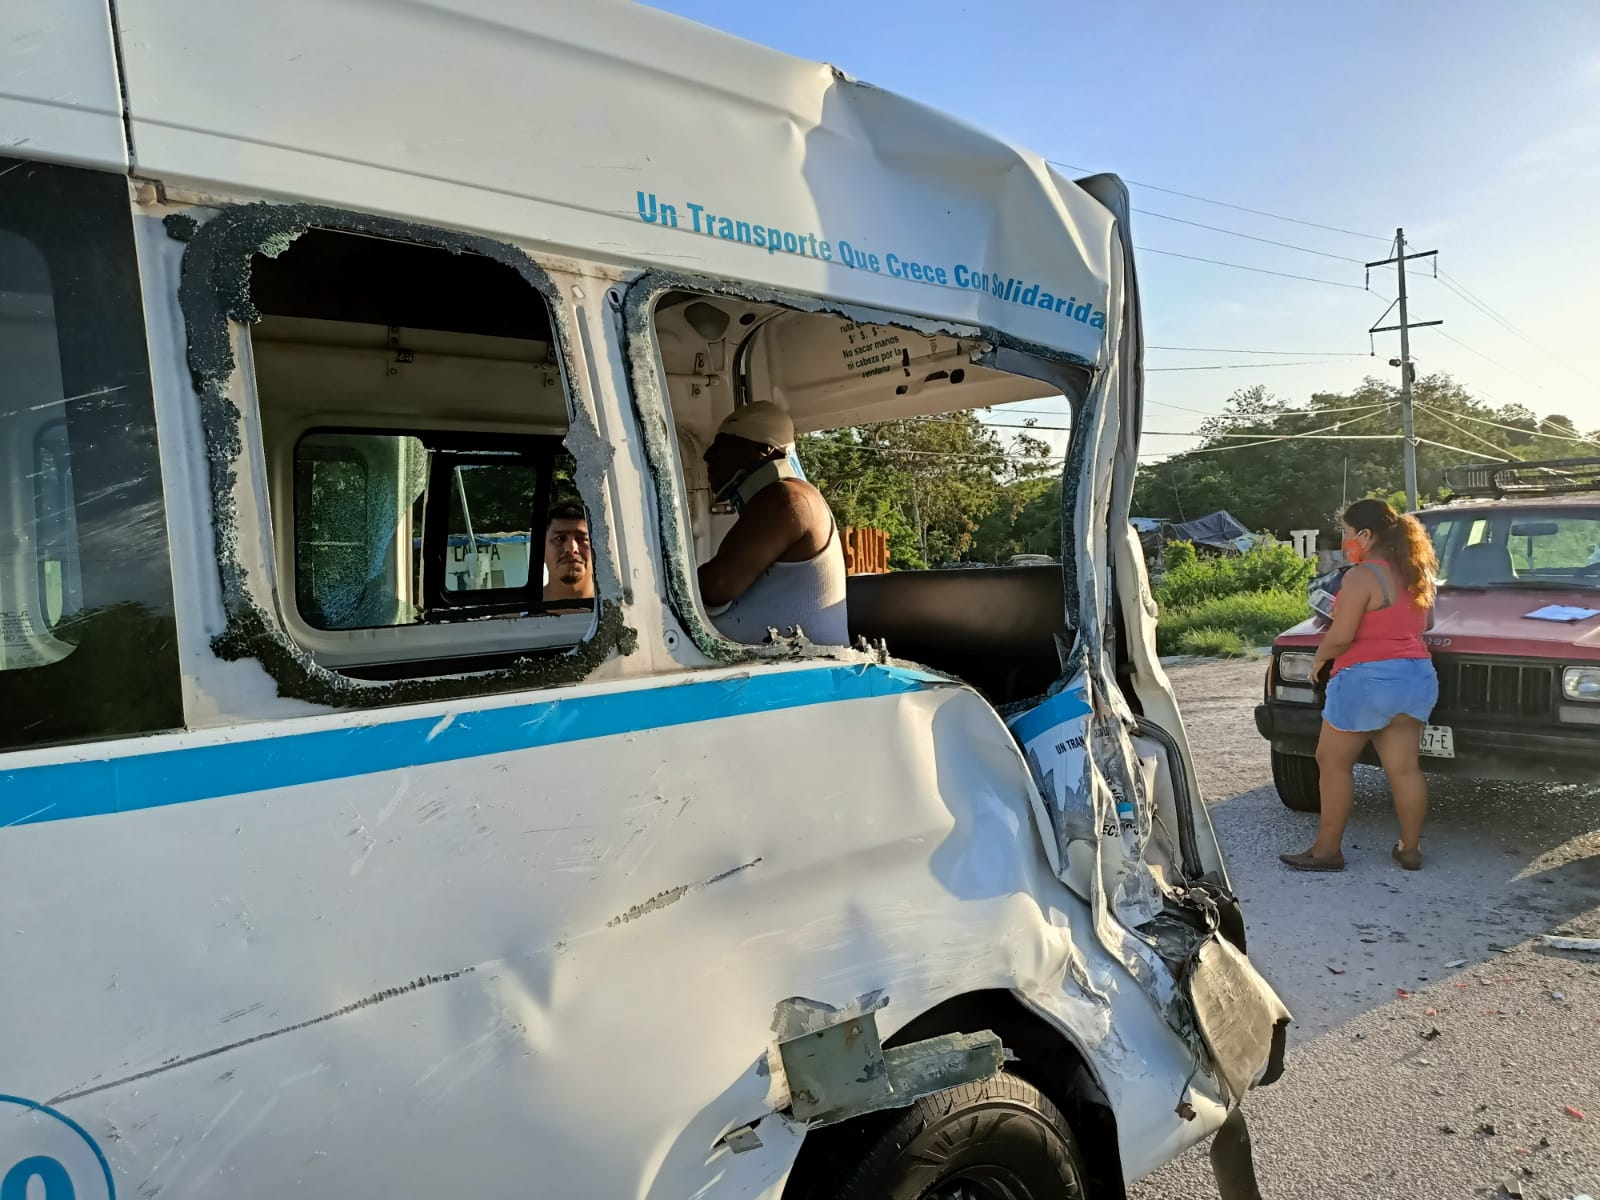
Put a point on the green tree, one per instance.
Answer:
(1252, 463)
(929, 482)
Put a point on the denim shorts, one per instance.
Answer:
(1366, 696)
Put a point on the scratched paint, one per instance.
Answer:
(183, 1061)
(672, 895)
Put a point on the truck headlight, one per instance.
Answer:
(1581, 683)
(1295, 667)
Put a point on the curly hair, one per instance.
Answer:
(1400, 540)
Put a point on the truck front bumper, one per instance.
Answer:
(1547, 754)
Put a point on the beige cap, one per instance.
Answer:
(762, 422)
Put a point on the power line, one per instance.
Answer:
(1217, 262)
(1492, 361)
(1310, 362)
(1255, 212)
(1284, 353)
(1462, 292)
(1439, 416)
(1560, 437)
(1250, 237)
(1458, 449)
(1321, 432)
(1288, 412)
(1450, 285)
(1315, 437)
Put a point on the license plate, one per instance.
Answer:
(1438, 741)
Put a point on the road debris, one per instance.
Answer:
(1574, 1113)
(1454, 963)
(1335, 971)
(1432, 1035)
(1583, 945)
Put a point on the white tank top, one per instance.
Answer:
(809, 595)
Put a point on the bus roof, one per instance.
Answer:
(597, 128)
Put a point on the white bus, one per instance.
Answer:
(330, 868)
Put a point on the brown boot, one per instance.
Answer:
(1311, 862)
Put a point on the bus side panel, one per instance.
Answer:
(557, 963)
(61, 99)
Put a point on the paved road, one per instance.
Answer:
(1375, 1104)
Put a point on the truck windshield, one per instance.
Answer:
(1548, 547)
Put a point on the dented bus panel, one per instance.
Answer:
(339, 861)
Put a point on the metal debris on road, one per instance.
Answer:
(1585, 945)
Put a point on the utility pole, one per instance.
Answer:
(1407, 368)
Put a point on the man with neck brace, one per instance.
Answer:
(781, 566)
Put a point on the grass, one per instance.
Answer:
(1191, 580)
(1210, 642)
(1252, 618)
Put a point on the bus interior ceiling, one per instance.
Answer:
(999, 629)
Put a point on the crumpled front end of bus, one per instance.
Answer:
(1119, 808)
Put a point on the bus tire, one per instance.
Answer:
(1000, 1137)
(1298, 780)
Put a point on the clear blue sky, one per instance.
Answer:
(1475, 124)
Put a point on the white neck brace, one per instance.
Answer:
(743, 488)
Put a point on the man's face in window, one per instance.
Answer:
(567, 557)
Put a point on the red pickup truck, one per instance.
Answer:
(1519, 695)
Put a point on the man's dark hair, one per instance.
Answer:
(566, 510)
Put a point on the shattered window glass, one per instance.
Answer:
(357, 507)
(399, 529)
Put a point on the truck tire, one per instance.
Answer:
(1298, 780)
(998, 1139)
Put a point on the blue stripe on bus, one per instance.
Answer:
(1063, 706)
(61, 791)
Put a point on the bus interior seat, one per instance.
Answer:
(996, 628)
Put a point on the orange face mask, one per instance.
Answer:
(1353, 549)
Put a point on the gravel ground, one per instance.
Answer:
(1437, 1042)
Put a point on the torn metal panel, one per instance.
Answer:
(1241, 1020)
(841, 1071)
(215, 294)
(1100, 793)
(743, 1140)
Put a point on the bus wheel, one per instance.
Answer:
(998, 1139)
(1298, 780)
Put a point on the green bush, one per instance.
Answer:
(1179, 555)
(1212, 643)
(1190, 580)
(1255, 617)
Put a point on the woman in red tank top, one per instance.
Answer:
(1383, 686)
